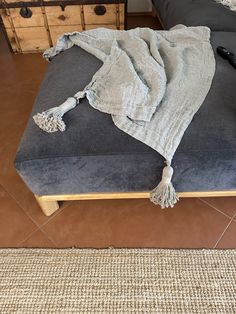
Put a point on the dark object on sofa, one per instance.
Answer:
(93, 155)
(228, 55)
(196, 13)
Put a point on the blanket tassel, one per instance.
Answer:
(164, 194)
(51, 120)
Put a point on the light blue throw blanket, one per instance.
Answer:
(151, 82)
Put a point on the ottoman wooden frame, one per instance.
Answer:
(49, 203)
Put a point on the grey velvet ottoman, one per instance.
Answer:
(94, 159)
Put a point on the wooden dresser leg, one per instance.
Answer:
(48, 207)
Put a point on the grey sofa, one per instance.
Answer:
(195, 13)
(93, 156)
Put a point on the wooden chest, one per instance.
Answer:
(34, 25)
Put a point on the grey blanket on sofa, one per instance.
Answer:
(151, 82)
(231, 4)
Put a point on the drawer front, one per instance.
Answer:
(56, 31)
(71, 15)
(100, 14)
(32, 39)
(26, 17)
(92, 26)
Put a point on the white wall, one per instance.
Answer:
(139, 5)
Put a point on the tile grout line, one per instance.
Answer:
(40, 229)
(48, 237)
(218, 210)
(38, 226)
(220, 238)
(44, 233)
(35, 222)
(29, 236)
(46, 222)
(54, 215)
(11, 197)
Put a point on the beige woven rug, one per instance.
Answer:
(117, 281)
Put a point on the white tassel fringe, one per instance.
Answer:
(164, 194)
(51, 120)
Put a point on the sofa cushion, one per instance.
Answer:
(195, 13)
(93, 155)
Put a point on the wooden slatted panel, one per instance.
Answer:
(122, 14)
(32, 39)
(70, 15)
(5, 18)
(56, 31)
(35, 20)
(15, 1)
(12, 40)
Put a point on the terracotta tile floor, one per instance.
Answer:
(193, 223)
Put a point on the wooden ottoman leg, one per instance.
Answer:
(48, 207)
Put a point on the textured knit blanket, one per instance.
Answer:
(151, 82)
(231, 4)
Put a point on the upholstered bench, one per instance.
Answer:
(94, 159)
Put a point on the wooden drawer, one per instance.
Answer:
(91, 14)
(92, 26)
(36, 18)
(32, 39)
(56, 31)
(71, 15)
